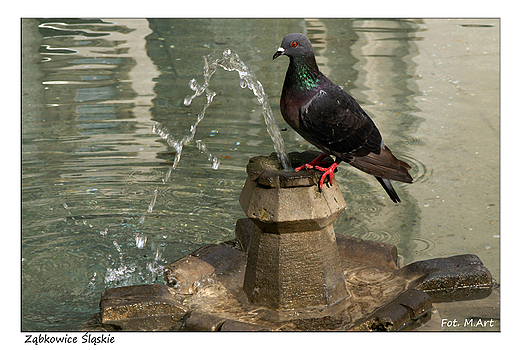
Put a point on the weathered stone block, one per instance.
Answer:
(462, 283)
(382, 255)
(287, 206)
(243, 229)
(197, 321)
(459, 277)
(281, 210)
(294, 270)
(141, 307)
(184, 274)
(404, 310)
(379, 254)
(203, 322)
(420, 268)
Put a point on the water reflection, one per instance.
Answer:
(91, 164)
(76, 155)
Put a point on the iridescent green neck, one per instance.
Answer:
(304, 73)
(308, 79)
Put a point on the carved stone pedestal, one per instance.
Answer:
(293, 263)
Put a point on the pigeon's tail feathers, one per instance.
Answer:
(387, 185)
(384, 165)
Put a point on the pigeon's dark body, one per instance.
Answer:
(332, 120)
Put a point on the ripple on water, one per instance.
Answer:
(369, 209)
(419, 171)
(413, 141)
(422, 245)
(368, 276)
(357, 230)
(382, 236)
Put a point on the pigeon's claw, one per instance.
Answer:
(327, 172)
(313, 163)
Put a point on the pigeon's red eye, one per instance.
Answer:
(294, 44)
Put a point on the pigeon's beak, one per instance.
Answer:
(278, 52)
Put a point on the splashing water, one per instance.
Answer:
(229, 62)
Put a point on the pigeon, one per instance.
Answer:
(329, 118)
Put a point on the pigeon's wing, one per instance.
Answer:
(338, 125)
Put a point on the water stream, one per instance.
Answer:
(229, 62)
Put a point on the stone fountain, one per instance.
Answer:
(288, 270)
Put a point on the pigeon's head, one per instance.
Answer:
(294, 45)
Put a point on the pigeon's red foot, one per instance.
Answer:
(315, 164)
(327, 172)
(312, 164)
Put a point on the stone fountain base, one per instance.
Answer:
(288, 270)
(204, 292)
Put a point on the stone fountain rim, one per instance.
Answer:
(268, 171)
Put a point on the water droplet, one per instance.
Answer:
(140, 240)
(215, 164)
(117, 246)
